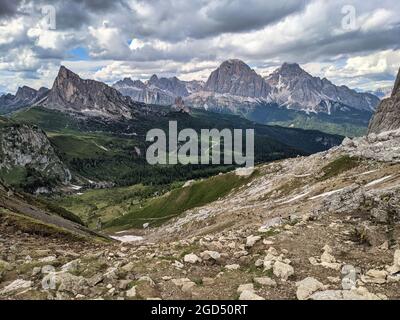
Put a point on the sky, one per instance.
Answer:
(354, 43)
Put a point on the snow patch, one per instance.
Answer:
(372, 183)
(126, 239)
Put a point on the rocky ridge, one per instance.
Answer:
(387, 116)
(295, 88)
(234, 87)
(160, 91)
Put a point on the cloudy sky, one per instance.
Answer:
(356, 43)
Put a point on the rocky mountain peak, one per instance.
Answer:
(90, 97)
(64, 73)
(387, 116)
(237, 78)
(26, 92)
(236, 64)
(291, 69)
(153, 79)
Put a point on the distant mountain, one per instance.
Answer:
(289, 97)
(87, 97)
(161, 91)
(236, 88)
(24, 96)
(382, 93)
(387, 115)
(294, 88)
(236, 78)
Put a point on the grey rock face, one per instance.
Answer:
(88, 97)
(237, 78)
(387, 116)
(295, 88)
(24, 146)
(25, 96)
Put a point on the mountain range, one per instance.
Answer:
(288, 97)
(234, 87)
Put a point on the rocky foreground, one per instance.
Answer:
(318, 227)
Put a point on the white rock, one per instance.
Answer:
(180, 282)
(395, 268)
(251, 241)
(265, 281)
(307, 287)
(48, 259)
(178, 264)
(131, 293)
(247, 295)
(191, 258)
(313, 261)
(244, 172)
(247, 287)
(375, 276)
(16, 286)
(327, 257)
(354, 294)
(232, 267)
(283, 270)
(210, 255)
(71, 266)
(147, 279)
(128, 267)
(273, 222)
(349, 277)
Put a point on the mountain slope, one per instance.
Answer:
(28, 160)
(387, 116)
(22, 213)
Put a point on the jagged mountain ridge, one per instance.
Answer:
(24, 96)
(234, 83)
(387, 116)
(295, 88)
(160, 91)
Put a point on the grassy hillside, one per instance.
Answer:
(106, 204)
(160, 209)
